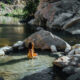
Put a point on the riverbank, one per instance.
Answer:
(11, 13)
(11, 10)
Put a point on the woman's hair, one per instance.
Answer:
(31, 44)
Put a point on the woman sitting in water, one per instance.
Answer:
(31, 53)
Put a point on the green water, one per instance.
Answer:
(9, 34)
(18, 66)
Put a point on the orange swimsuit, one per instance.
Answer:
(31, 53)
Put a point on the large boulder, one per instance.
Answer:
(45, 39)
(72, 26)
(62, 61)
(56, 13)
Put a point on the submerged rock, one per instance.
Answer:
(44, 39)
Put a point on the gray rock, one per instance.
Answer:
(44, 39)
(62, 61)
(2, 53)
(32, 22)
(61, 19)
(71, 53)
(74, 51)
(53, 48)
(75, 76)
(77, 70)
(19, 43)
(76, 46)
(72, 26)
(4, 49)
(56, 54)
(39, 28)
(69, 69)
(57, 14)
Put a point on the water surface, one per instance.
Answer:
(18, 66)
(10, 34)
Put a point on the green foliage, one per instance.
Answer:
(15, 13)
(2, 5)
(30, 7)
(8, 1)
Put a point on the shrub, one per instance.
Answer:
(2, 5)
(7, 1)
(30, 7)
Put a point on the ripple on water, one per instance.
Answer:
(16, 67)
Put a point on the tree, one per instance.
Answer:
(31, 6)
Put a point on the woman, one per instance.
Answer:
(31, 53)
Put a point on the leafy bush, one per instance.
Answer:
(30, 7)
(2, 5)
(15, 13)
(7, 1)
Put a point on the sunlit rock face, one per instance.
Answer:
(45, 39)
(56, 13)
(73, 26)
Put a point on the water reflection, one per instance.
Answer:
(16, 67)
(19, 30)
(10, 34)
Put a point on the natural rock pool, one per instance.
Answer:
(17, 66)
(10, 34)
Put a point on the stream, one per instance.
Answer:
(15, 67)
